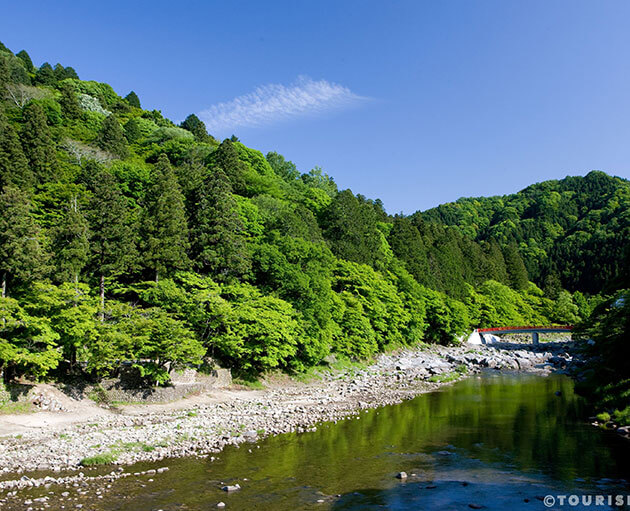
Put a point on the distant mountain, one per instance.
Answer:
(573, 232)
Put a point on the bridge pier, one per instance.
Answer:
(534, 337)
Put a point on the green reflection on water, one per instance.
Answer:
(473, 430)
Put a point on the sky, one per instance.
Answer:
(414, 102)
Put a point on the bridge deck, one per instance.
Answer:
(526, 329)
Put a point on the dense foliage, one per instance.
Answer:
(126, 238)
(606, 378)
(573, 233)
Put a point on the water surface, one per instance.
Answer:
(498, 441)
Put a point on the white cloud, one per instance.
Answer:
(275, 102)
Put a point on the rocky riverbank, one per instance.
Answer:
(240, 416)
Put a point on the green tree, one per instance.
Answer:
(111, 137)
(351, 228)
(285, 169)
(72, 314)
(196, 126)
(38, 144)
(69, 102)
(565, 311)
(153, 339)
(517, 273)
(258, 332)
(23, 252)
(408, 246)
(5, 74)
(45, 75)
(226, 158)
(28, 344)
(14, 169)
(26, 59)
(71, 73)
(71, 247)
(112, 244)
(219, 243)
(60, 72)
(18, 72)
(133, 99)
(165, 227)
(132, 130)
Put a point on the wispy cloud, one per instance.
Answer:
(271, 103)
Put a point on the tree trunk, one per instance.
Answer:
(4, 285)
(157, 276)
(102, 313)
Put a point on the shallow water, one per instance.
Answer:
(498, 441)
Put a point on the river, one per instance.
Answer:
(500, 441)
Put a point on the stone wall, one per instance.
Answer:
(128, 388)
(183, 383)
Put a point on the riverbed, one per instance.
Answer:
(495, 440)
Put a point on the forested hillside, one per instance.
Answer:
(573, 233)
(126, 237)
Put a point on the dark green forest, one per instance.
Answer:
(125, 237)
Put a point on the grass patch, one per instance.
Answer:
(100, 459)
(10, 407)
(461, 369)
(444, 378)
(250, 384)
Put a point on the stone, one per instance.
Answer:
(221, 504)
(228, 488)
(401, 475)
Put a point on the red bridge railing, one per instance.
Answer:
(533, 328)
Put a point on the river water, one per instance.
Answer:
(499, 441)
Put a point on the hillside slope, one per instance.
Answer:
(124, 237)
(573, 232)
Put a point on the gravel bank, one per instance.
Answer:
(204, 429)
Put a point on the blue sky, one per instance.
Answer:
(413, 102)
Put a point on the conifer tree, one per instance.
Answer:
(5, 74)
(517, 273)
(226, 158)
(45, 75)
(132, 130)
(71, 73)
(26, 59)
(18, 72)
(111, 138)
(196, 126)
(133, 99)
(60, 72)
(71, 247)
(14, 169)
(69, 102)
(38, 144)
(220, 246)
(494, 267)
(22, 245)
(111, 244)
(164, 223)
(408, 246)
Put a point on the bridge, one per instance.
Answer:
(477, 337)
